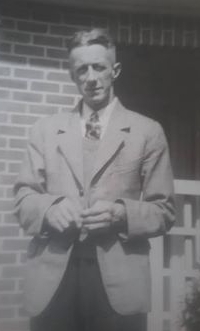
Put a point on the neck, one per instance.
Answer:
(100, 105)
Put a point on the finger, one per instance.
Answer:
(95, 210)
(103, 217)
(103, 225)
(56, 225)
(63, 223)
(62, 219)
(72, 212)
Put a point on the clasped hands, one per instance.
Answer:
(101, 215)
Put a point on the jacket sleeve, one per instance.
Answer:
(153, 214)
(32, 199)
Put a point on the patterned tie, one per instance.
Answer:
(93, 127)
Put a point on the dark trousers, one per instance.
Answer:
(81, 304)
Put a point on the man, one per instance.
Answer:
(95, 185)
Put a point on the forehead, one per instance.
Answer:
(91, 54)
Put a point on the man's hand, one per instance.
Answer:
(62, 215)
(102, 214)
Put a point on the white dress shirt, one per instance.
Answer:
(104, 116)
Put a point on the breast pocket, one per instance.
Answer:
(126, 178)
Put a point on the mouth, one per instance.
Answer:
(94, 90)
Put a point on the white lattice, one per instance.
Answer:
(175, 260)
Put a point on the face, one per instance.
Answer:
(94, 70)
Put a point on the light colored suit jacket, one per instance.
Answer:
(133, 165)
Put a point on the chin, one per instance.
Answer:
(98, 100)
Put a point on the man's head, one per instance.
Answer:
(93, 66)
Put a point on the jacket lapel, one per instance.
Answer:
(113, 140)
(70, 144)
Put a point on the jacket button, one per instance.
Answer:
(81, 192)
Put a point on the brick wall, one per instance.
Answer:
(35, 82)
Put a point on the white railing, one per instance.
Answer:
(175, 260)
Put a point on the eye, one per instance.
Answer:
(82, 70)
(99, 67)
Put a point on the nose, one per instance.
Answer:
(91, 77)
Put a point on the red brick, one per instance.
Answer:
(13, 271)
(7, 313)
(9, 231)
(2, 192)
(5, 47)
(45, 87)
(66, 109)
(21, 284)
(4, 94)
(2, 166)
(70, 89)
(4, 71)
(59, 99)
(14, 167)
(3, 117)
(11, 155)
(6, 205)
(57, 53)
(24, 119)
(59, 76)
(29, 73)
(28, 96)
(47, 40)
(12, 130)
(44, 63)
(18, 143)
(7, 258)
(13, 83)
(8, 23)
(43, 109)
(9, 192)
(3, 142)
(7, 285)
(14, 59)
(14, 36)
(14, 325)
(23, 258)
(7, 179)
(65, 65)
(22, 312)
(62, 30)
(32, 27)
(10, 218)
(14, 107)
(15, 245)
(10, 298)
(29, 50)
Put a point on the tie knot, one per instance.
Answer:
(93, 126)
(94, 117)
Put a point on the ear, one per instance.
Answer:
(116, 70)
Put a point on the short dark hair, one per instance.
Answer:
(92, 36)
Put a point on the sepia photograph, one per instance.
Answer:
(99, 165)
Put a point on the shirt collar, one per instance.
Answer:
(104, 112)
(104, 115)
